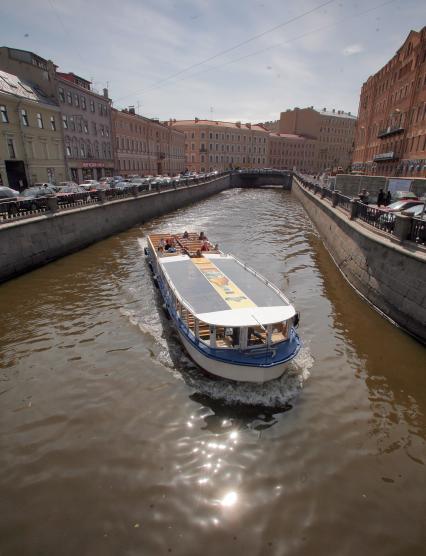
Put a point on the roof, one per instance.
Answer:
(220, 290)
(338, 114)
(12, 85)
(289, 136)
(218, 123)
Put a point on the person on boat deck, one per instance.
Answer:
(160, 250)
(162, 243)
(202, 236)
(185, 235)
(216, 247)
(205, 246)
(198, 253)
(170, 246)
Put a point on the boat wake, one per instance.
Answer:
(165, 348)
(274, 394)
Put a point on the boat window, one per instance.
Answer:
(256, 335)
(204, 332)
(223, 337)
(279, 332)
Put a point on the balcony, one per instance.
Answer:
(389, 131)
(385, 157)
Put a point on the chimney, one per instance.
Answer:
(196, 120)
(248, 125)
(132, 110)
(334, 111)
(324, 109)
(238, 124)
(106, 93)
(349, 113)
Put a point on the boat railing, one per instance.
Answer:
(262, 279)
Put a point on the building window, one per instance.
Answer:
(76, 99)
(83, 103)
(68, 150)
(11, 148)
(24, 116)
(61, 94)
(4, 116)
(86, 128)
(82, 150)
(52, 123)
(39, 120)
(92, 105)
(69, 97)
(65, 122)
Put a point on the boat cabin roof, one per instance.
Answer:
(220, 290)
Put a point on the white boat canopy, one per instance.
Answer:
(251, 316)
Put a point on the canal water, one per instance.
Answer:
(113, 443)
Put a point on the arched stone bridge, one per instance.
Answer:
(261, 178)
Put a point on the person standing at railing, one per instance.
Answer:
(381, 198)
(388, 199)
(364, 196)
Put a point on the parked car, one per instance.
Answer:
(68, 191)
(66, 184)
(8, 198)
(37, 191)
(415, 211)
(403, 195)
(123, 185)
(89, 184)
(398, 206)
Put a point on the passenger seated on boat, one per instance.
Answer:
(162, 243)
(160, 250)
(205, 246)
(185, 234)
(258, 339)
(198, 253)
(202, 236)
(216, 247)
(170, 246)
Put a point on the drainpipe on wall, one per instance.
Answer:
(21, 127)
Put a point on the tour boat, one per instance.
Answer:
(232, 322)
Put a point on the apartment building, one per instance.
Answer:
(87, 128)
(391, 132)
(146, 147)
(332, 131)
(288, 151)
(31, 146)
(211, 144)
(85, 114)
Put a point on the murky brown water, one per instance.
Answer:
(112, 443)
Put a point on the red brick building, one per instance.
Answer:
(391, 129)
(144, 146)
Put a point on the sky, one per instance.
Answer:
(234, 60)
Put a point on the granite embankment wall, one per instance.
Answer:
(351, 185)
(29, 243)
(390, 276)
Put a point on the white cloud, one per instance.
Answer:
(352, 49)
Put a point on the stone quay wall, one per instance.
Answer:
(390, 276)
(351, 185)
(33, 242)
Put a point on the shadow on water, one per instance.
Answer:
(393, 372)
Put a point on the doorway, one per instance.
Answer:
(15, 170)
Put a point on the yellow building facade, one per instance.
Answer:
(31, 144)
